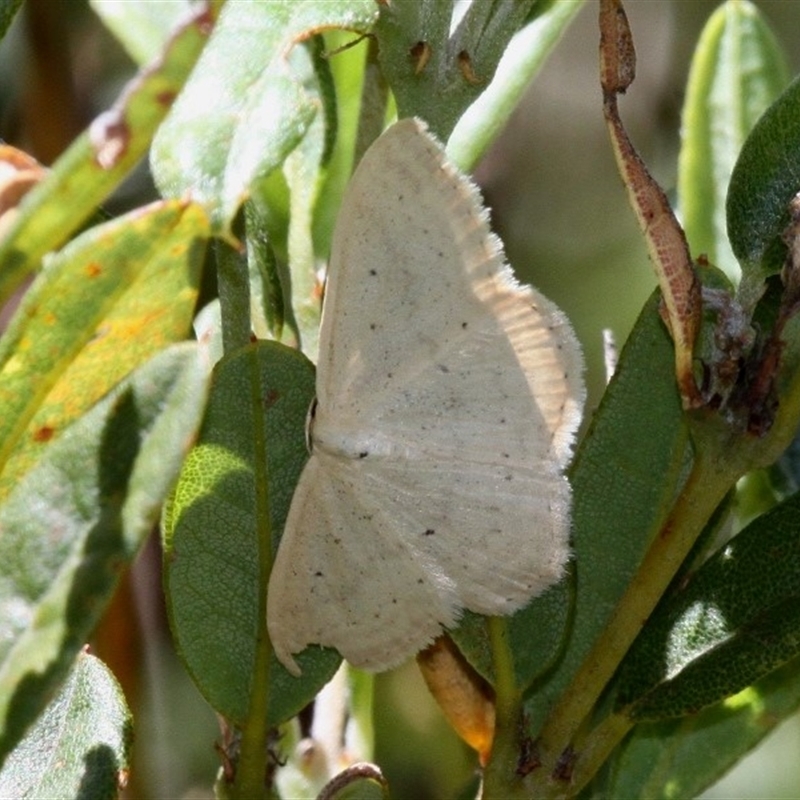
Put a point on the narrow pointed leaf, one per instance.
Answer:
(285, 205)
(521, 61)
(738, 70)
(224, 521)
(99, 159)
(77, 519)
(80, 746)
(106, 303)
(701, 747)
(766, 177)
(737, 620)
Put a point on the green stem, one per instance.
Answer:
(500, 778)
(721, 457)
(596, 747)
(708, 481)
(233, 283)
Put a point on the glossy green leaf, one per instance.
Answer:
(225, 520)
(261, 108)
(142, 28)
(436, 75)
(625, 473)
(106, 303)
(521, 61)
(738, 619)
(79, 747)
(681, 757)
(738, 70)
(75, 520)
(99, 159)
(766, 177)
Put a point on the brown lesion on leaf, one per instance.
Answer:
(44, 434)
(467, 70)
(420, 54)
(110, 136)
(565, 765)
(528, 758)
(166, 98)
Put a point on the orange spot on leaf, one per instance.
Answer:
(44, 434)
(165, 98)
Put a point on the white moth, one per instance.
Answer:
(448, 398)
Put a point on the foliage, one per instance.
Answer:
(252, 117)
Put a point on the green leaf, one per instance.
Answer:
(352, 92)
(737, 71)
(80, 745)
(99, 159)
(621, 492)
(766, 177)
(456, 68)
(76, 519)
(738, 619)
(292, 233)
(681, 758)
(521, 61)
(106, 303)
(261, 109)
(225, 520)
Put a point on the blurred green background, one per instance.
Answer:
(560, 207)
